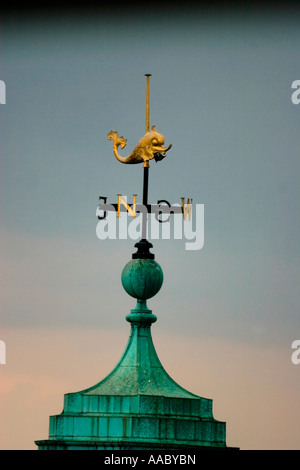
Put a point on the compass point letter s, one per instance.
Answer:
(104, 199)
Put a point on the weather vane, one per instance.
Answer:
(150, 146)
(130, 407)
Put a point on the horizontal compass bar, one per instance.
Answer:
(140, 208)
(162, 207)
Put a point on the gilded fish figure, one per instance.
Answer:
(150, 146)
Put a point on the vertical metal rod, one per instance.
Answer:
(146, 167)
(147, 102)
(145, 202)
(145, 187)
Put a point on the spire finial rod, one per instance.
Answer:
(147, 102)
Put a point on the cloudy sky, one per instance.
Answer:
(220, 92)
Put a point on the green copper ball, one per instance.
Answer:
(142, 278)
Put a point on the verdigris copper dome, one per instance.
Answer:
(142, 278)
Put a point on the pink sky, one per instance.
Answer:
(254, 389)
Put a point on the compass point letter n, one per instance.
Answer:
(128, 208)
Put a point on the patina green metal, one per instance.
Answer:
(138, 405)
(142, 278)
